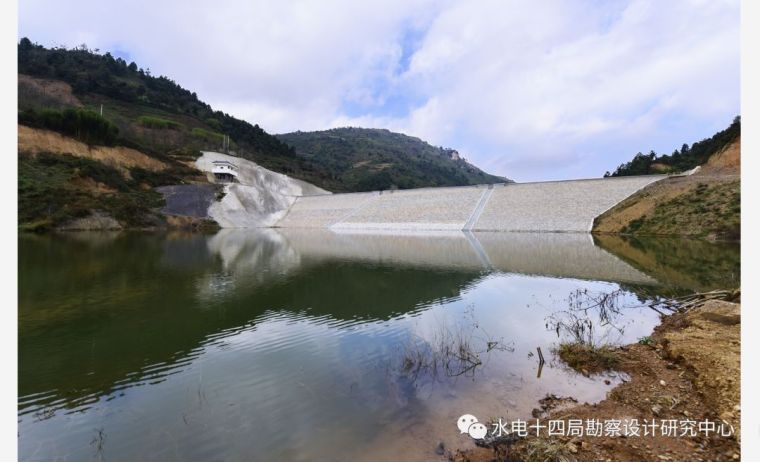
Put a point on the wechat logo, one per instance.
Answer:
(469, 424)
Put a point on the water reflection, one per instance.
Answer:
(290, 345)
(679, 264)
(569, 255)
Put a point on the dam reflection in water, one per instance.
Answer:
(290, 345)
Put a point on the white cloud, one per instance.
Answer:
(547, 82)
(528, 90)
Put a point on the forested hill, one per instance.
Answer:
(153, 114)
(364, 159)
(681, 160)
(64, 90)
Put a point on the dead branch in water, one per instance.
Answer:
(687, 302)
(588, 312)
(451, 351)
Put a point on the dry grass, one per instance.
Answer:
(588, 358)
(546, 450)
(34, 141)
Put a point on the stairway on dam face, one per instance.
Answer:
(555, 206)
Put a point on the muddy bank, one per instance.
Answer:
(688, 370)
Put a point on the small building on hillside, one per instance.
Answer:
(224, 171)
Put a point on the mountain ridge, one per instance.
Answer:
(365, 159)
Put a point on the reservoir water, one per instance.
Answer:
(305, 345)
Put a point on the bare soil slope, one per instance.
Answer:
(724, 162)
(34, 141)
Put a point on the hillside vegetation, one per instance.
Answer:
(65, 90)
(680, 160)
(56, 189)
(705, 204)
(62, 181)
(81, 124)
(364, 159)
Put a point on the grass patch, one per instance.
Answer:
(704, 210)
(583, 357)
(206, 134)
(159, 123)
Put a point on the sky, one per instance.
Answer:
(527, 90)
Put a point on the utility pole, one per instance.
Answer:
(101, 110)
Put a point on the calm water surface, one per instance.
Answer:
(296, 345)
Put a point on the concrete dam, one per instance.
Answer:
(263, 198)
(555, 206)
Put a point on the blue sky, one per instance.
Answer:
(528, 90)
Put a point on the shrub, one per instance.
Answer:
(635, 225)
(49, 193)
(153, 179)
(214, 123)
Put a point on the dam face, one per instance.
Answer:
(262, 199)
(554, 206)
